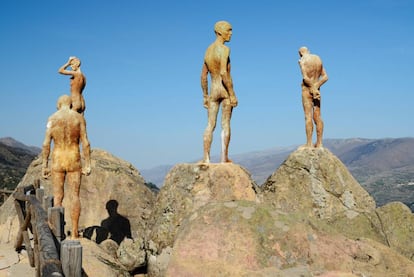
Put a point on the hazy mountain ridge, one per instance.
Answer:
(15, 157)
(11, 142)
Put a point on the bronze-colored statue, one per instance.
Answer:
(314, 76)
(217, 63)
(77, 83)
(67, 129)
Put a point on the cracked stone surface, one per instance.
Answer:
(315, 181)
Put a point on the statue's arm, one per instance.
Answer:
(323, 78)
(86, 149)
(204, 84)
(306, 79)
(225, 74)
(46, 151)
(63, 69)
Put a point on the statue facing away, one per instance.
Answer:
(217, 63)
(77, 83)
(67, 129)
(314, 76)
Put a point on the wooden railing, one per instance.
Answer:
(42, 233)
(4, 194)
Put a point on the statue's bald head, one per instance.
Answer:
(303, 50)
(63, 101)
(221, 26)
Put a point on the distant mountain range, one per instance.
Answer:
(15, 157)
(384, 167)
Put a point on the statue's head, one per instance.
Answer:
(64, 100)
(223, 29)
(75, 63)
(303, 50)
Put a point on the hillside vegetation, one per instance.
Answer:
(15, 157)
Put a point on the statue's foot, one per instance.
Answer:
(205, 161)
(72, 237)
(227, 160)
(305, 146)
(318, 145)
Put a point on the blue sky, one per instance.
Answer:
(143, 59)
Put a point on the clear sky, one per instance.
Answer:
(143, 59)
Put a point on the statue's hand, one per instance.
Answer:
(45, 172)
(86, 170)
(205, 103)
(316, 94)
(233, 101)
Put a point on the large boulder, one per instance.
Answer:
(313, 219)
(391, 225)
(97, 262)
(314, 181)
(112, 183)
(243, 238)
(397, 222)
(188, 187)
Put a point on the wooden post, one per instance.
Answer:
(40, 193)
(47, 203)
(56, 216)
(71, 258)
(36, 184)
(23, 235)
(33, 219)
(46, 256)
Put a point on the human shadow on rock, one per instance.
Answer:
(115, 227)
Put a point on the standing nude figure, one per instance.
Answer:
(67, 129)
(314, 76)
(77, 83)
(217, 63)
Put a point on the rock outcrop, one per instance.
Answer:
(242, 238)
(97, 262)
(311, 218)
(113, 195)
(314, 181)
(110, 179)
(188, 187)
(317, 184)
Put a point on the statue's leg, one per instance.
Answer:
(227, 110)
(74, 180)
(58, 183)
(318, 122)
(213, 108)
(307, 102)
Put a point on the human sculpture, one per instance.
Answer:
(217, 63)
(67, 129)
(314, 76)
(77, 83)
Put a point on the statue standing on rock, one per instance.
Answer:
(67, 129)
(314, 76)
(217, 63)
